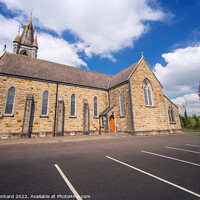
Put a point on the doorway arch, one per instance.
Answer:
(112, 123)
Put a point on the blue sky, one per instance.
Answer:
(108, 35)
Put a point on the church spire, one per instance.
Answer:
(26, 44)
(27, 36)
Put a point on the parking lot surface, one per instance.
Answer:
(122, 167)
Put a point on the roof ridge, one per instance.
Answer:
(137, 64)
(61, 64)
(38, 68)
(109, 81)
(122, 76)
(126, 68)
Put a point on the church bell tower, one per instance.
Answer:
(26, 44)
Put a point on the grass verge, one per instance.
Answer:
(191, 131)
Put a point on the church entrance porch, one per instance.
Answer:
(107, 120)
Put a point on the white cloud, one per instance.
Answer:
(191, 101)
(104, 26)
(58, 50)
(180, 77)
(182, 71)
(9, 28)
(50, 48)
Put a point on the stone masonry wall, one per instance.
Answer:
(147, 118)
(13, 125)
(72, 124)
(173, 125)
(23, 87)
(121, 123)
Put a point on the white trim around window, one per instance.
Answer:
(41, 107)
(72, 115)
(148, 93)
(97, 107)
(13, 105)
(121, 105)
(171, 115)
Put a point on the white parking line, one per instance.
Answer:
(156, 177)
(193, 145)
(170, 158)
(183, 150)
(68, 183)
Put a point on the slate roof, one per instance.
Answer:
(122, 76)
(14, 64)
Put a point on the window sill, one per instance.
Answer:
(44, 116)
(8, 115)
(72, 116)
(122, 116)
(148, 106)
(172, 122)
(95, 117)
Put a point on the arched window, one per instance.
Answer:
(73, 105)
(147, 92)
(170, 114)
(10, 101)
(121, 105)
(95, 107)
(45, 102)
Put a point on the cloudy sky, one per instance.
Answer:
(108, 35)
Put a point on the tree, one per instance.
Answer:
(182, 121)
(185, 120)
(182, 106)
(197, 121)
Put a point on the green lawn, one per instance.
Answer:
(191, 130)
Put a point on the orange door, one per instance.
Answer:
(112, 124)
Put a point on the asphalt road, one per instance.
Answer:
(29, 169)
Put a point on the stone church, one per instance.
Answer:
(40, 98)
